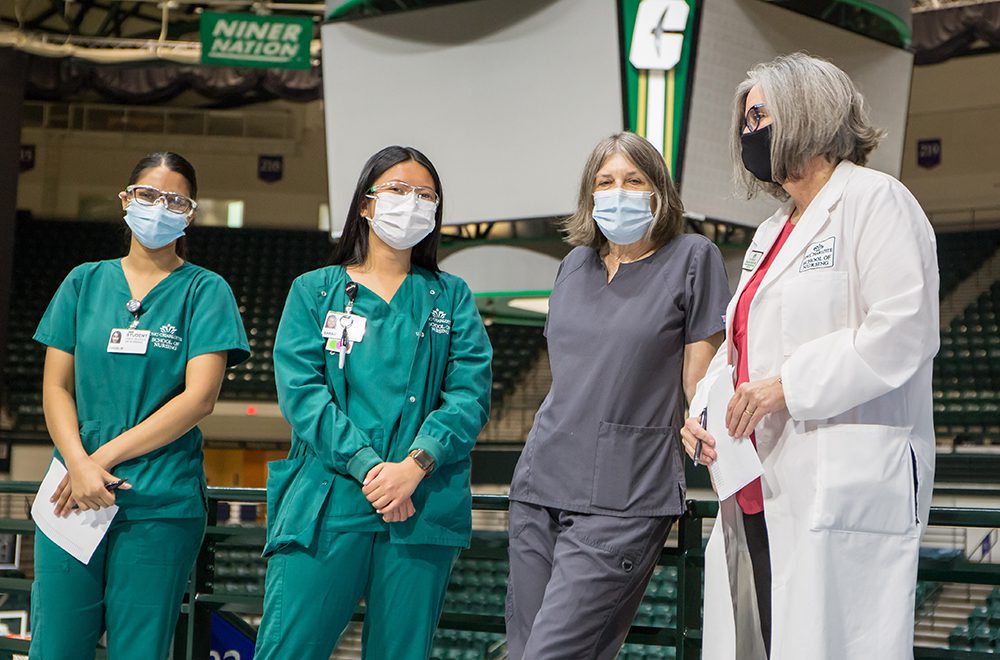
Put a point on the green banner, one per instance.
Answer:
(279, 42)
(659, 61)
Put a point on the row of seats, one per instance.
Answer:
(467, 645)
(961, 253)
(515, 350)
(478, 586)
(967, 373)
(982, 630)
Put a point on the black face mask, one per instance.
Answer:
(756, 152)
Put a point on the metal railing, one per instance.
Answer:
(193, 633)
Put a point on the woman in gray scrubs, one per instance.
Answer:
(634, 319)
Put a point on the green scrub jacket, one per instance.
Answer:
(446, 404)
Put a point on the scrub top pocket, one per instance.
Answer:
(633, 463)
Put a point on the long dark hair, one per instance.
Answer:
(175, 163)
(352, 248)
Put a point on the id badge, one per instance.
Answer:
(337, 322)
(128, 341)
(333, 345)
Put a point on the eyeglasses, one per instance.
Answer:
(148, 196)
(754, 116)
(402, 188)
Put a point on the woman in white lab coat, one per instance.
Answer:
(830, 340)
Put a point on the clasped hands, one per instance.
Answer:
(388, 487)
(84, 488)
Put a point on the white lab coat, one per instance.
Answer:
(847, 314)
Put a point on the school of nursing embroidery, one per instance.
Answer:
(167, 337)
(818, 255)
(440, 323)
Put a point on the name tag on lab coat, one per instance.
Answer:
(128, 341)
(752, 259)
(337, 322)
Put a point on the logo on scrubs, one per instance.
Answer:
(167, 337)
(439, 322)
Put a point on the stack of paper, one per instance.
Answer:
(80, 532)
(737, 463)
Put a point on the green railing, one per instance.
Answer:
(192, 637)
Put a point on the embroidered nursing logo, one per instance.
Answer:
(166, 338)
(439, 322)
(818, 255)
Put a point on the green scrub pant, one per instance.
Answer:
(311, 594)
(132, 588)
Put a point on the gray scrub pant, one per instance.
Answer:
(576, 580)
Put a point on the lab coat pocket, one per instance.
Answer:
(813, 304)
(636, 468)
(864, 480)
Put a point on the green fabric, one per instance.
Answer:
(311, 594)
(191, 312)
(345, 422)
(132, 587)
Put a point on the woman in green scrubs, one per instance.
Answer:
(137, 348)
(373, 501)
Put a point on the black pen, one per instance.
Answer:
(115, 485)
(702, 420)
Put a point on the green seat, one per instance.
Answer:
(959, 638)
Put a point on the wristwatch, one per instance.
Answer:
(423, 459)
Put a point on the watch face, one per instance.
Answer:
(423, 459)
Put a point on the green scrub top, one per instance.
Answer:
(189, 313)
(420, 378)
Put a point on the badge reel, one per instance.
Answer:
(344, 329)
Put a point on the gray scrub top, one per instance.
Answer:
(606, 439)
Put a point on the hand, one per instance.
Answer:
(751, 402)
(388, 485)
(84, 487)
(402, 514)
(691, 433)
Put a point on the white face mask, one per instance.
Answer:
(402, 221)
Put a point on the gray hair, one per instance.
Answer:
(817, 111)
(668, 217)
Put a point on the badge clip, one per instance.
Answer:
(346, 321)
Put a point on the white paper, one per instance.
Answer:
(737, 463)
(79, 533)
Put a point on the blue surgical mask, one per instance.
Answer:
(623, 216)
(154, 226)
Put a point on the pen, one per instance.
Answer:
(702, 420)
(115, 485)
